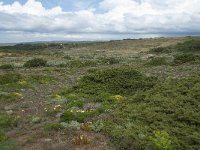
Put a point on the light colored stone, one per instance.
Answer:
(36, 120)
(9, 112)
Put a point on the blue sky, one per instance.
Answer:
(69, 20)
(67, 5)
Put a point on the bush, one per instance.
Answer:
(118, 81)
(189, 46)
(161, 141)
(108, 60)
(36, 62)
(9, 78)
(158, 61)
(171, 105)
(6, 66)
(7, 121)
(3, 137)
(7, 97)
(98, 126)
(185, 58)
(68, 116)
(161, 50)
(54, 126)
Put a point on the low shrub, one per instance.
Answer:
(54, 126)
(125, 81)
(189, 46)
(36, 62)
(81, 116)
(158, 61)
(108, 60)
(7, 121)
(6, 66)
(98, 126)
(186, 58)
(7, 97)
(161, 50)
(3, 136)
(161, 141)
(10, 78)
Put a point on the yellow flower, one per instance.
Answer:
(18, 94)
(117, 97)
(22, 83)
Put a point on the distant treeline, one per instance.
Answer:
(42, 46)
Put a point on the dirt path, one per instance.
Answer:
(32, 136)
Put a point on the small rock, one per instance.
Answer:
(58, 115)
(10, 107)
(36, 120)
(9, 112)
(47, 140)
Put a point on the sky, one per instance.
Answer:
(82, 20)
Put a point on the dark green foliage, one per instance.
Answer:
(31, 46)
(7, 121)
(108, 60)
(172, 105)
(7, 97)
(67, 57)
(79, 116)
(9, 78)
(41, 79)
(125, 81)
(36, 62)
(2, 136)
(158, 61)
(9, 145)
(189, 46)
(6, 66)
(54, 126)
(186, 58)
(76, 103)
(161, 50)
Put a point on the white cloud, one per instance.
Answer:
(116, 17)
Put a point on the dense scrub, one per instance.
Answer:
(36, 62)
(155, 113)
(187, 46)
(125, 81)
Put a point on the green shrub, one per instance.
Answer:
(158, 61)
(7, 97)
(9, 78)
(3, 137)
(171, 105)
(68, 116)
(41, 79)
(6, 66)
(68, 57)
(186, 58)
(9, 145)
(76, 103)
(97, 126)
(161, 50)
(54, 126)
(189, 46)
(7, 121)
(36, 62)
(108, 60)
(161, 141)
(119, 81)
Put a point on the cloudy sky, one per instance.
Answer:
(50, 20)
